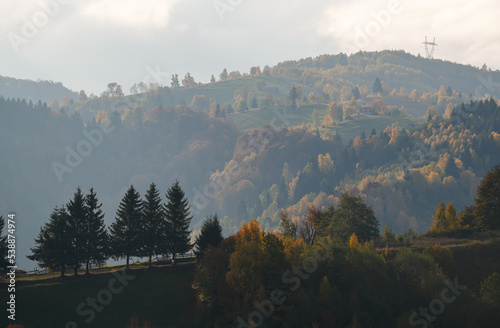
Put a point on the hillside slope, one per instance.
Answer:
(44, 91)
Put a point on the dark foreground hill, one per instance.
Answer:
(163, 296)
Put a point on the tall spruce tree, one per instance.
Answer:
(152, 221)
(4, 245)
(377, 86)
(210, 235)
(96, 239)
(126, 230)
(76, 219)
(293, 97)
(178, 218)
(54, 246)
(487, 210)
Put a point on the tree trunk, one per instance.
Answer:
(87, 267)
(173, 258)
(150, 260)
(127, 261)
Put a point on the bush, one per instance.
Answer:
(443, 256)
(490, 290)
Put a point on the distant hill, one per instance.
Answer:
(44, 91)
(166, 134)
(333, 76)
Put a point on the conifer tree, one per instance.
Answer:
(54, 247)
(487, 210)
(152, 218)
(377, 86)
(210, 235)
(293, 97)
(126, 230)
(76, 220)
(96, 240)
(178, 218)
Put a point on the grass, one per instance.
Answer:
(162, 295)
(348, 129)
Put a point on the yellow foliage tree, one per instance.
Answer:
(353, 242)
(439, 219)
(325, 163)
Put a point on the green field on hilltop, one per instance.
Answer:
(348, 129)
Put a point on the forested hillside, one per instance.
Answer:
(397, 129)
(321, 80)
(400, 172)
(44, 91)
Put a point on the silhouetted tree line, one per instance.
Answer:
(76, 234)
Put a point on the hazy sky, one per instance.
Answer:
(87, 43)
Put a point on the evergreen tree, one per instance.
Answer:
(487, 202)
(282, 194)
(451, 168)
(126, 230)
(466, 159)
(96, 235)
(254, 102)
(178, 218)
(356, 93)
(77, 223)
(212, 79)
(466, 218)
(4, 245)
(210, 235)
(54, 247)
(377, 86)
(293, 97)
(152, 220)
(286, 175)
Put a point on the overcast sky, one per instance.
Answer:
(86, 44)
